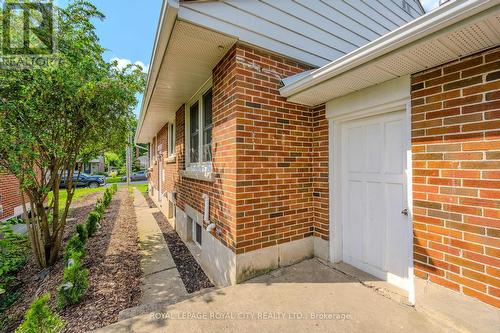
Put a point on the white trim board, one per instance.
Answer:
(388, 97)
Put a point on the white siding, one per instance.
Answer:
(312, 31)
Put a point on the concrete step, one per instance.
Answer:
(160, 306)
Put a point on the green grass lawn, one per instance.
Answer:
(141, 187)
(83, 191)
(111, 180)
(79, 192)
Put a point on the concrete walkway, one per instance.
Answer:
(161, 280)
(291, 299)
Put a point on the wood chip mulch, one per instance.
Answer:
(192, 275)
(112, 256)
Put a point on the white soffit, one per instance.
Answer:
(191, 54)
(476, 32)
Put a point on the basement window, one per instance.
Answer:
(199, 130)
(197, 232)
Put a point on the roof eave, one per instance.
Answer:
(169, 11)
(422, 27)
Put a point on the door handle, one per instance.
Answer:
(405, 212)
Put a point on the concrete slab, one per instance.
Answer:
(463, 312)
(306, 297)
(159, 306)
(382, 287)
(162, 285)
(155, 256)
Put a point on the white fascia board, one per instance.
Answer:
(436, 20)
(169, 11)
(370, 99)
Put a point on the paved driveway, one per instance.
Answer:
(306, 297)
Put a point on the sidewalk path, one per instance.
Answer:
(161, 280)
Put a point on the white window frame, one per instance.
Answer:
(171, 139)
(197, 98)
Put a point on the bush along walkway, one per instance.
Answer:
(97, 276)
(40, 318)
(75, 280)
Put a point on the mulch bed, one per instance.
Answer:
(192, 275)
(112, 256)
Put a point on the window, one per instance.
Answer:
(198, 234)
(194, 142)
(207, 126)
(171, 140)
(199, 130)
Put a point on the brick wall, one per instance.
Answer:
(278, 185)
(222, 191)
(320, 172)
(10, 196)
(456, 154)
(269, 156)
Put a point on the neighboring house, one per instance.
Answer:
(143, 162)
(10, 197)
(93, 166)
(350, 131)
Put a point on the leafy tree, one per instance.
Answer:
(113, 159)
(53, 116)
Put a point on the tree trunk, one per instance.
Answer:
(34, 234)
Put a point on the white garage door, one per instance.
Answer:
(374, 227)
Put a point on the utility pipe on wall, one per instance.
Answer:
(206, 211)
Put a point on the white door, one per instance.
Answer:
(374, 228)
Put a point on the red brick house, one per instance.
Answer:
(354, 132)
(10, 197)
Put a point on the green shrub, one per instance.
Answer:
(93, 223)
(99, 207)
(75, 283)
(13, 254)
(73, 245)
(82, 232)
(40, 319)
(107, 197)
(114, 188)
